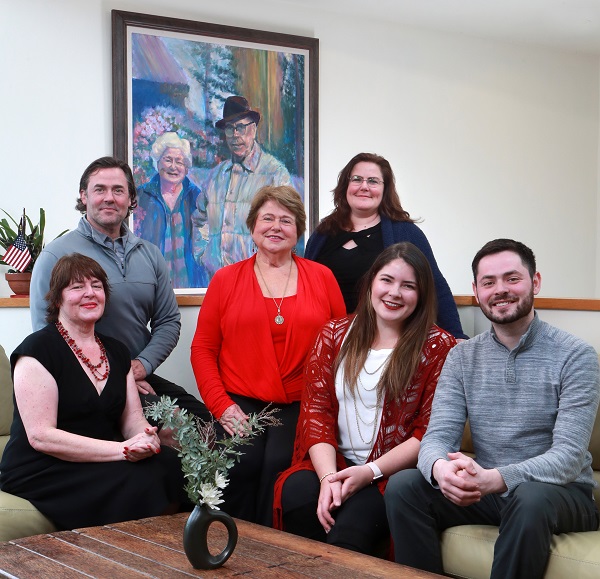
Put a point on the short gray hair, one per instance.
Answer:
(170, 141)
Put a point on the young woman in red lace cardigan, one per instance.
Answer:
(370, 381)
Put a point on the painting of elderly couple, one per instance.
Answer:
(211, 124)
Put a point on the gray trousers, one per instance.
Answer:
(527, 518)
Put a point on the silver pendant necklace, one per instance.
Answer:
(279, 319)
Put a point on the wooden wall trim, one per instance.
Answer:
(574, 304)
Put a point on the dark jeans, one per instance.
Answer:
(527, 519)
(184, 399)
(249, 494)
(360, 523)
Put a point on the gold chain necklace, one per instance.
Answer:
(368, 443)
(378, 367)
(279, 319)
(366, 390)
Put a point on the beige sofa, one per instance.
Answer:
(18, 517)
(468, 550)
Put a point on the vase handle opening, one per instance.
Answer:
(195, 537)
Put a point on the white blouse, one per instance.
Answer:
(360, 414)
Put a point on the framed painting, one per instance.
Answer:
(205, 115)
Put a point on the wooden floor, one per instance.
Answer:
(153, 548)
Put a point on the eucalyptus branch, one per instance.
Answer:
(206, 458)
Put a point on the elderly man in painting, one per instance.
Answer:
(221, 236)
(165, 207)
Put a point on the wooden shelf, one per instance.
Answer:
(573, 304)
(182, 300)
(14, 302)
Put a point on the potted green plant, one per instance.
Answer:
(205, 462)
(33, 236)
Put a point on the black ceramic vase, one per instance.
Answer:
(195, 537)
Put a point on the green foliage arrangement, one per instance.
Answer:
(34, 238)
(205, 458)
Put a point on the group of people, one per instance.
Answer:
(355, 344)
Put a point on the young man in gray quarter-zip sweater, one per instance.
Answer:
(530, 392)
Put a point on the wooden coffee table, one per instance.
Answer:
(153, 548)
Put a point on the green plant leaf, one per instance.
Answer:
(202, 453)
(33, 234)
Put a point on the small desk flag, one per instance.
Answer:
(18, 255)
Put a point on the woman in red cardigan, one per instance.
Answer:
(256, 325)
(366, 405)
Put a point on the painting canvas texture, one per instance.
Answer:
(179, 84)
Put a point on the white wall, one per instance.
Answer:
(487, 139)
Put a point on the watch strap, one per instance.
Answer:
(377, 474)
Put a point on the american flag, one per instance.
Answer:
(18, 255)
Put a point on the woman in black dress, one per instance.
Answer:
(80, 449)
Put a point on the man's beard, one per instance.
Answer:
(521, 311)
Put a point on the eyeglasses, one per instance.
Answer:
(240, 128)
(171, 161)
(371, 181)
(283, 221)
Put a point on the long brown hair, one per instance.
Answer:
(339, 219)
(406, 356)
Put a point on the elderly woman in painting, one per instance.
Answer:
(165, 207)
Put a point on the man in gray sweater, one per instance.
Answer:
(142, 311)
(530, 392)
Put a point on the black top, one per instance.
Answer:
(80, 494)
(349, 265)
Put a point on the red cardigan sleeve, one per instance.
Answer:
(205, 349)
(434, 355)
(336, 299)
(319, 407)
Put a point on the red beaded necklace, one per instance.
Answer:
(94, 368)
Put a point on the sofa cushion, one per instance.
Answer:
(6, 392)
(468, 551)
(595, 443)
(19, 518)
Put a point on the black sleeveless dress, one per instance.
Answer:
(83, 494)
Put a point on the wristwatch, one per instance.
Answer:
(377, 474)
